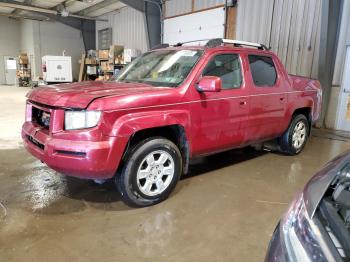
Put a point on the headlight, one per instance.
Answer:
(81, 119)
(299, 235)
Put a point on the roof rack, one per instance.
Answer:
(219, 41)
(160, 46)
(192, 41)
(211, 43)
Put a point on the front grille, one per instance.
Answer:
(41, 117)
(35, 142)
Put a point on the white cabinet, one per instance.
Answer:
(57, 69)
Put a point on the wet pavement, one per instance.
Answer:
(225, 210)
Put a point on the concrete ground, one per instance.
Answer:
(225, 210)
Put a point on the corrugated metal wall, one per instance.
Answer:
(343, 41)
(128, 28)
(178, 7)
(290, 27)
(202, 4)
(336, 90)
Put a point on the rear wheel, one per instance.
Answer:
(150, 172)
(294, 139)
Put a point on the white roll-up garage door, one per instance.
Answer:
(201, 25)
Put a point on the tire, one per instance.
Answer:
(144, 181)
(293, 141)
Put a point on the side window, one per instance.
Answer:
(228, 68)
(263, 70)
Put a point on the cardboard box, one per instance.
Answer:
(91, 54)
(119, 60)
(104, 66)
(100, 78)
(23, 59)
(91, 70)
(90, 61)
(103, 78)
(130, 54)
(23, 74)
(115, 50)
(103, 54)
(107, 77)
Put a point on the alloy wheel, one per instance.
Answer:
(299, 135)
(155, 173)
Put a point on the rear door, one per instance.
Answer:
(268, 97)
(219, 119)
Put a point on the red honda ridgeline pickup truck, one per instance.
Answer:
(166, 107)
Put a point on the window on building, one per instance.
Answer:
(228, 68)
(263, 70)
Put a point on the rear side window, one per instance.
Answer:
(263, 70)
(228, 68)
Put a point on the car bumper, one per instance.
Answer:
(83, 159)
(276, 251)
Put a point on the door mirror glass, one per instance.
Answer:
(209, 84)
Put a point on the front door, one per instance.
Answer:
(219, 119)
(343, 115)
(10, 69)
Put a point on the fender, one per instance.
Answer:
(295, 102)
(300, 103)
(129, 124)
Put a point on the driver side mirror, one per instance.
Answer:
(209, 84)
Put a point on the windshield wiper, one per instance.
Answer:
(137, 81)
(129, 81)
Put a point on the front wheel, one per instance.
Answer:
(294, 139)
(150, 172)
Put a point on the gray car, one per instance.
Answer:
(316, 227)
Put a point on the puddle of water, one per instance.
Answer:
(3, 211)
(11, 143)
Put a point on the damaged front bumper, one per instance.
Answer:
(73, 157)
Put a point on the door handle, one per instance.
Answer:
(242, 103)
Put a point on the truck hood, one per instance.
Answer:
(316, 188)
(80, 95)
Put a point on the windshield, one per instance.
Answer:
(161, 68)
